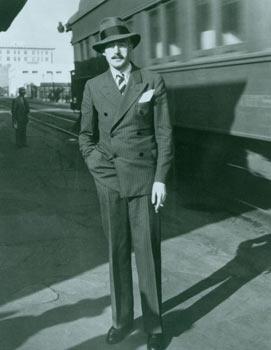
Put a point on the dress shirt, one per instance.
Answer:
(126, 74)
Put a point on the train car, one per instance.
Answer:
(215, 57)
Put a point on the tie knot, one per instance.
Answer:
(120, 78)
(121, 82)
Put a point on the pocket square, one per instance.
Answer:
(146, 96)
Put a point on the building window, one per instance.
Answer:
(58, 72)
(34, 71)
(46, 59)
(156, 49)
(25, 58)
(172, 31)
(8, 58)
(25, 52)
(25, 71)
(8, 51)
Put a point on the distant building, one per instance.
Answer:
(30, 55)
(31, 66)
(4, 80)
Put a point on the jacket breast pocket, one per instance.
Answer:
(143, 109)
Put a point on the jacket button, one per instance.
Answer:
(106, 114)
(115, 155)
(139, 133)
(141, 154)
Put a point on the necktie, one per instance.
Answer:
(121, 82)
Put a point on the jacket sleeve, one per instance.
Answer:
(89, 122)
(163, 131)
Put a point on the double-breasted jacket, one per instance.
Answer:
(126, 140)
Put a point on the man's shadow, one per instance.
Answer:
(16, 331)
(253, 257)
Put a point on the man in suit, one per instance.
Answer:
(125, 139)
(19, 112)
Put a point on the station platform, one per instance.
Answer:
(54, 293)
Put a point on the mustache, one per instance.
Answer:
(117, 56)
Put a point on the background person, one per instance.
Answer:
(19, 112)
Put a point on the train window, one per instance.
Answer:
(172, 31)
(97, 38)
(130, 25)
(231, 24)
(81, 50)
(76, 48)
(205, 31)
(218, 26)
(156, 49)
(86, 49)
(91, 41)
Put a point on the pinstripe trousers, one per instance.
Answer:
(131, 222)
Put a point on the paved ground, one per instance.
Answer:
(54, 269)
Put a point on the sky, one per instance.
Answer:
(36, 26)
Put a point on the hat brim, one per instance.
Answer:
(100, 45)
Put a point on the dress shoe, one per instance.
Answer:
(116, 335)
(155, 341)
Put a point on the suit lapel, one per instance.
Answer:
(134, 88)
(110, 90)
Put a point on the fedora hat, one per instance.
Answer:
(114, 29)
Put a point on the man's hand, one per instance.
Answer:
(158, 195)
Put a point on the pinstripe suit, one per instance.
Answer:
(127, 146)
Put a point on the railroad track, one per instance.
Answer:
(54, 121)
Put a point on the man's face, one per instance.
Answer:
(117, 54)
